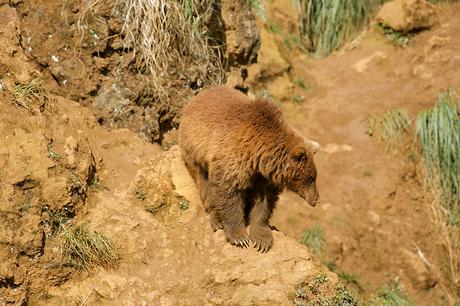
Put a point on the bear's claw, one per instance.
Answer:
(244, 243)
(216, 226)
(262, 238)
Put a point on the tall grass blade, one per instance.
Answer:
(327, 24)
(438, 133)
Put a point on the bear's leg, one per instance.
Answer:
(259, 229)
(199, 175)
(229, 209)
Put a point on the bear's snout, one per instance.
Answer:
(313, 197)
(315, 201)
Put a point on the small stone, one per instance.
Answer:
(374, 217)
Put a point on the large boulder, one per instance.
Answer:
(407, 15)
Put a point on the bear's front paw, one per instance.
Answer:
(239, 238)
(262, 238)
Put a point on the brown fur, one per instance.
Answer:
(242, 154)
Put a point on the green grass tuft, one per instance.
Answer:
(314, 239)
(87, 249)
(389, 126)
(392, 294)
(350, 279)
(327, 24)
(438, 132)
(397, 38)
(258, 8)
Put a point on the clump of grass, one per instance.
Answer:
(53, 154)
(317, 282)
(438, 134)
(343, 297)
(397, 38)
(298, 99)
(258, 8)
(87, 249)
(299, 82)
(28, 92)
(166, 36)
(320, 292)
(389, 126)
(314, 239)
(140, 194)
(184, 204)
(350, 279)
(273, 27)
(392, 294)
(438, 131)
(327, 24)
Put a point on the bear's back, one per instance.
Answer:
(223, 106)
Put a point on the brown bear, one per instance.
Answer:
(242, 154)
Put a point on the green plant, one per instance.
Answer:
(87, 249)
(273, 27)
(350, 279)
(438, 132)
(392, 294)
(313, 238)
(298, 99)
(327, 24)
(258, 8)
(293, 41)
(397, 38)
(184, 204)
(389, 126)
(299, 82)
(140, 194)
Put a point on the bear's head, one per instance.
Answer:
(303, 175)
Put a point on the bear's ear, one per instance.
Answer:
(314, 146)
(299, 153)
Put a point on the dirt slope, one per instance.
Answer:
(374, 211)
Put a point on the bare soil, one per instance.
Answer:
(375, 211)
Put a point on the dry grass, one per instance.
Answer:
(170, 40)
(87, 249)
(29, 92)
(389, 126)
